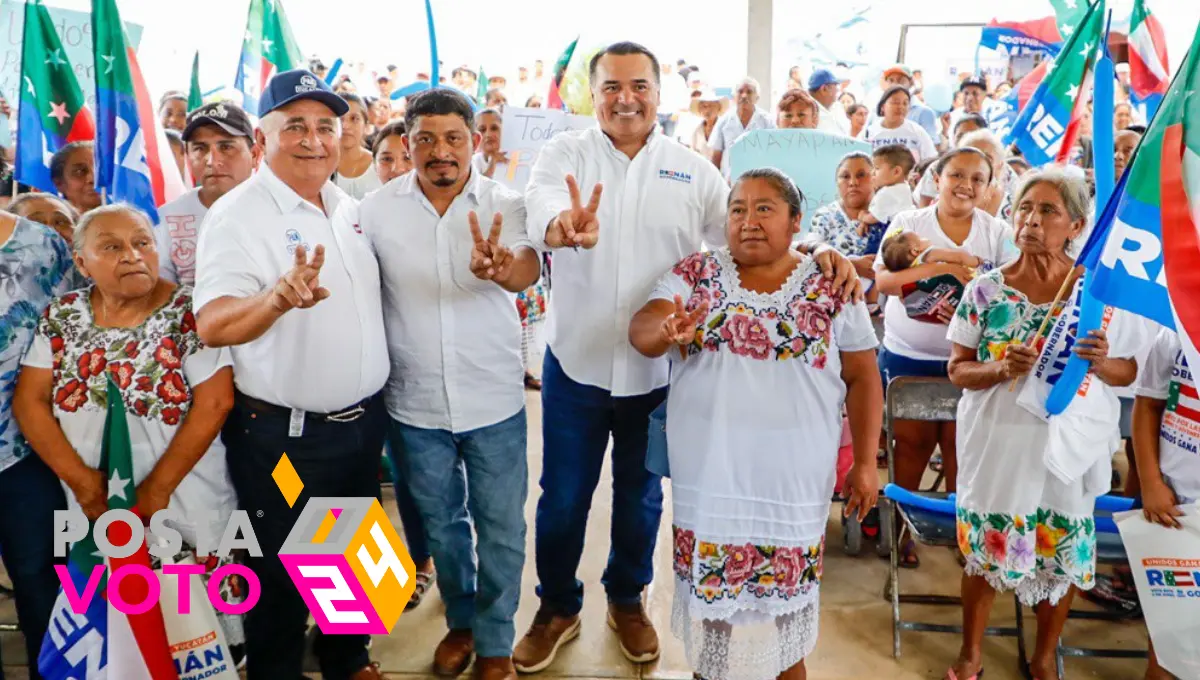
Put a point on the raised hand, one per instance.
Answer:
(576, 226)
(490, 260)
(300, 287)
(679, 328)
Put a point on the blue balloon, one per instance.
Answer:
(939, 97)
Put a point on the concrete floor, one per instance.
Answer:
(856, 629)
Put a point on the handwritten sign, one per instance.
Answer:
(526, 131)
(74, 30)
(809, 157)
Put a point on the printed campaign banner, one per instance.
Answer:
(526, 131)
(809, 157)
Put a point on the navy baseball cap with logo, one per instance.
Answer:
(225, 115)
(295, 85)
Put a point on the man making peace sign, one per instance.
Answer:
(452, 248)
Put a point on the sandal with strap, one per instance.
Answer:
(424, 579)
(950, 675)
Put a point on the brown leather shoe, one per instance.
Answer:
(369, 673)
(639, 642)
(454, 653)
(538, 648)
(495, 668)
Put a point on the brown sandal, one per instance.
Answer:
(424, 579)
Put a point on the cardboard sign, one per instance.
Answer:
(75, 32)
(809, 157)
(526, 131)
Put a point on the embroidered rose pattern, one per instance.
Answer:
(799, 328)
(717, 572)
(145, 363)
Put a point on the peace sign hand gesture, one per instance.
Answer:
(679, 328)
(300, 288)
(490, 260)
(578, 225)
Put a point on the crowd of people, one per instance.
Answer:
(342, 278)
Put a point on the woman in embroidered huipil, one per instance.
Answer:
(764, 356)
(1020, 527)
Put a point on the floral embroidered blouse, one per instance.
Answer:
(35, 265)
(155, 366)
(831, 225)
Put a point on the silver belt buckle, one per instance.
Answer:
(347, 416)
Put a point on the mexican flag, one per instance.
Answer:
(195, 96)
(108, 644)
(1048, 126)
(267, 49)
(134, 163)
(1145, 251)
(554, 97)
(1149, 70)
(52, 109)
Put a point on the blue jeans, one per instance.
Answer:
(480, 476)
(577, 421)
(31, 494)
(892, 366)
(410, 516)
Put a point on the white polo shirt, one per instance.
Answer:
(833, 121)
(175, 236)
(729, 127)
(656, 209)
(323, 359)
(454, 339)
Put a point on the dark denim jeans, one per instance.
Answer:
(481, 477)
(332, 459)
(31, 494)
(577, 421)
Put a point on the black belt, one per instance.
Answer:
(347, 415)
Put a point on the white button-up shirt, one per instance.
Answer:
(454, 339)
(729, 127)
(656, 209)
(323, 359)
(833, 120)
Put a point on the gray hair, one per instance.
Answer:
(1074, 192)
(22, 199)
(79, 238)
(985, 136)
(748, 81)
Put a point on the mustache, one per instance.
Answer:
(433, 163)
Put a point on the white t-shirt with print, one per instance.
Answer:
(990, 240)
(1166, 376)
(909, 134)
(176, 235)
(890, 201)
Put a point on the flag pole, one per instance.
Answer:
(1032, 340)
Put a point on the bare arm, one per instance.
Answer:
(230, 320)
(892, 283)
(211, 402)
(526, 268)
(952, 256)
(716, 158)
(34, 415)
(1157, 498)
(967, 372)
(864, 408)
(645, 330)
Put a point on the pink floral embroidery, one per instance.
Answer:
(685, 547)
(788, 563)
(747, 336)
(720, 571)
(741, 561)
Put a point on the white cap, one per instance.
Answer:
(1122, 67)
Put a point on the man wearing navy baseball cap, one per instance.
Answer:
(825, 88)
(287, 280)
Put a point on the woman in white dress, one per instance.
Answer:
(894, 127)
(769, 355)
(1022, 527)
(490, 125)
(356, 170)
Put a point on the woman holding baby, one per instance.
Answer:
(920, 348)
(1025, 494)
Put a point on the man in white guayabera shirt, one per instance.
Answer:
(648, 202)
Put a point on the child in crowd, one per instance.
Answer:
(907, 249)
(891, 165)
(1164, 424)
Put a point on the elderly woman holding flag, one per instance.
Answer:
(1027, 483)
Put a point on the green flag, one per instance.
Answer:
(1068, 14)
(195, 98)
(116, 451)
(481, 87)
(268, 48)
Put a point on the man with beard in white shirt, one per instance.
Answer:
(221, 154)
(650, 202)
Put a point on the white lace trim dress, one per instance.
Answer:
(753, 428)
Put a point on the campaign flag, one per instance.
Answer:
(195, 96)
(75, 646)
(1048, 126)
(134, 163)
(1144, 253)
(1020, 37)
(554, 97)
(268, 48)
(1004, 114)
(52, 111)
(481, 88)
(1149, 70)
(1069, 13)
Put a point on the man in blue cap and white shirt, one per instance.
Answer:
(826, 88)
(285, 277)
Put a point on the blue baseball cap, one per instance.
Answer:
(820, 78)
(289, 86)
